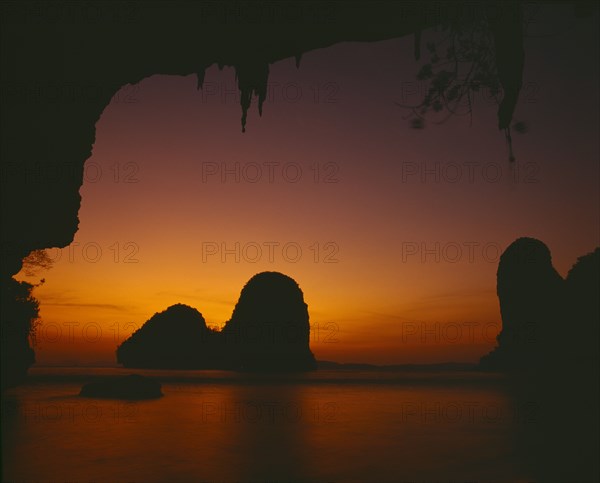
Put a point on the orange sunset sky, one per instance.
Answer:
(332, 178)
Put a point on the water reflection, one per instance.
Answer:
(261, 431)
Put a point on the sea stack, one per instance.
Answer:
(269, 329)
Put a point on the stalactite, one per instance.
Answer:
(200, 75)
(418, 45)
(252, 80)
(511, 156)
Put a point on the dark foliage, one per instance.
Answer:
(18, 317)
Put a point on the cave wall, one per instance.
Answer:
(62, 62)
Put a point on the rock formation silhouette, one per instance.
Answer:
(176, 338)
(19, 312)
(268, 331)
(53, 91)
(269, 328)
(549, 349)
(583, 293)
(547, 322)
(532, 304)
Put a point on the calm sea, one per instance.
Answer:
(222, 426)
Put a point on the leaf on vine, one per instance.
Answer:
(425, 72)
(417, 123)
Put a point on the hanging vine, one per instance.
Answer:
(460, 65)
